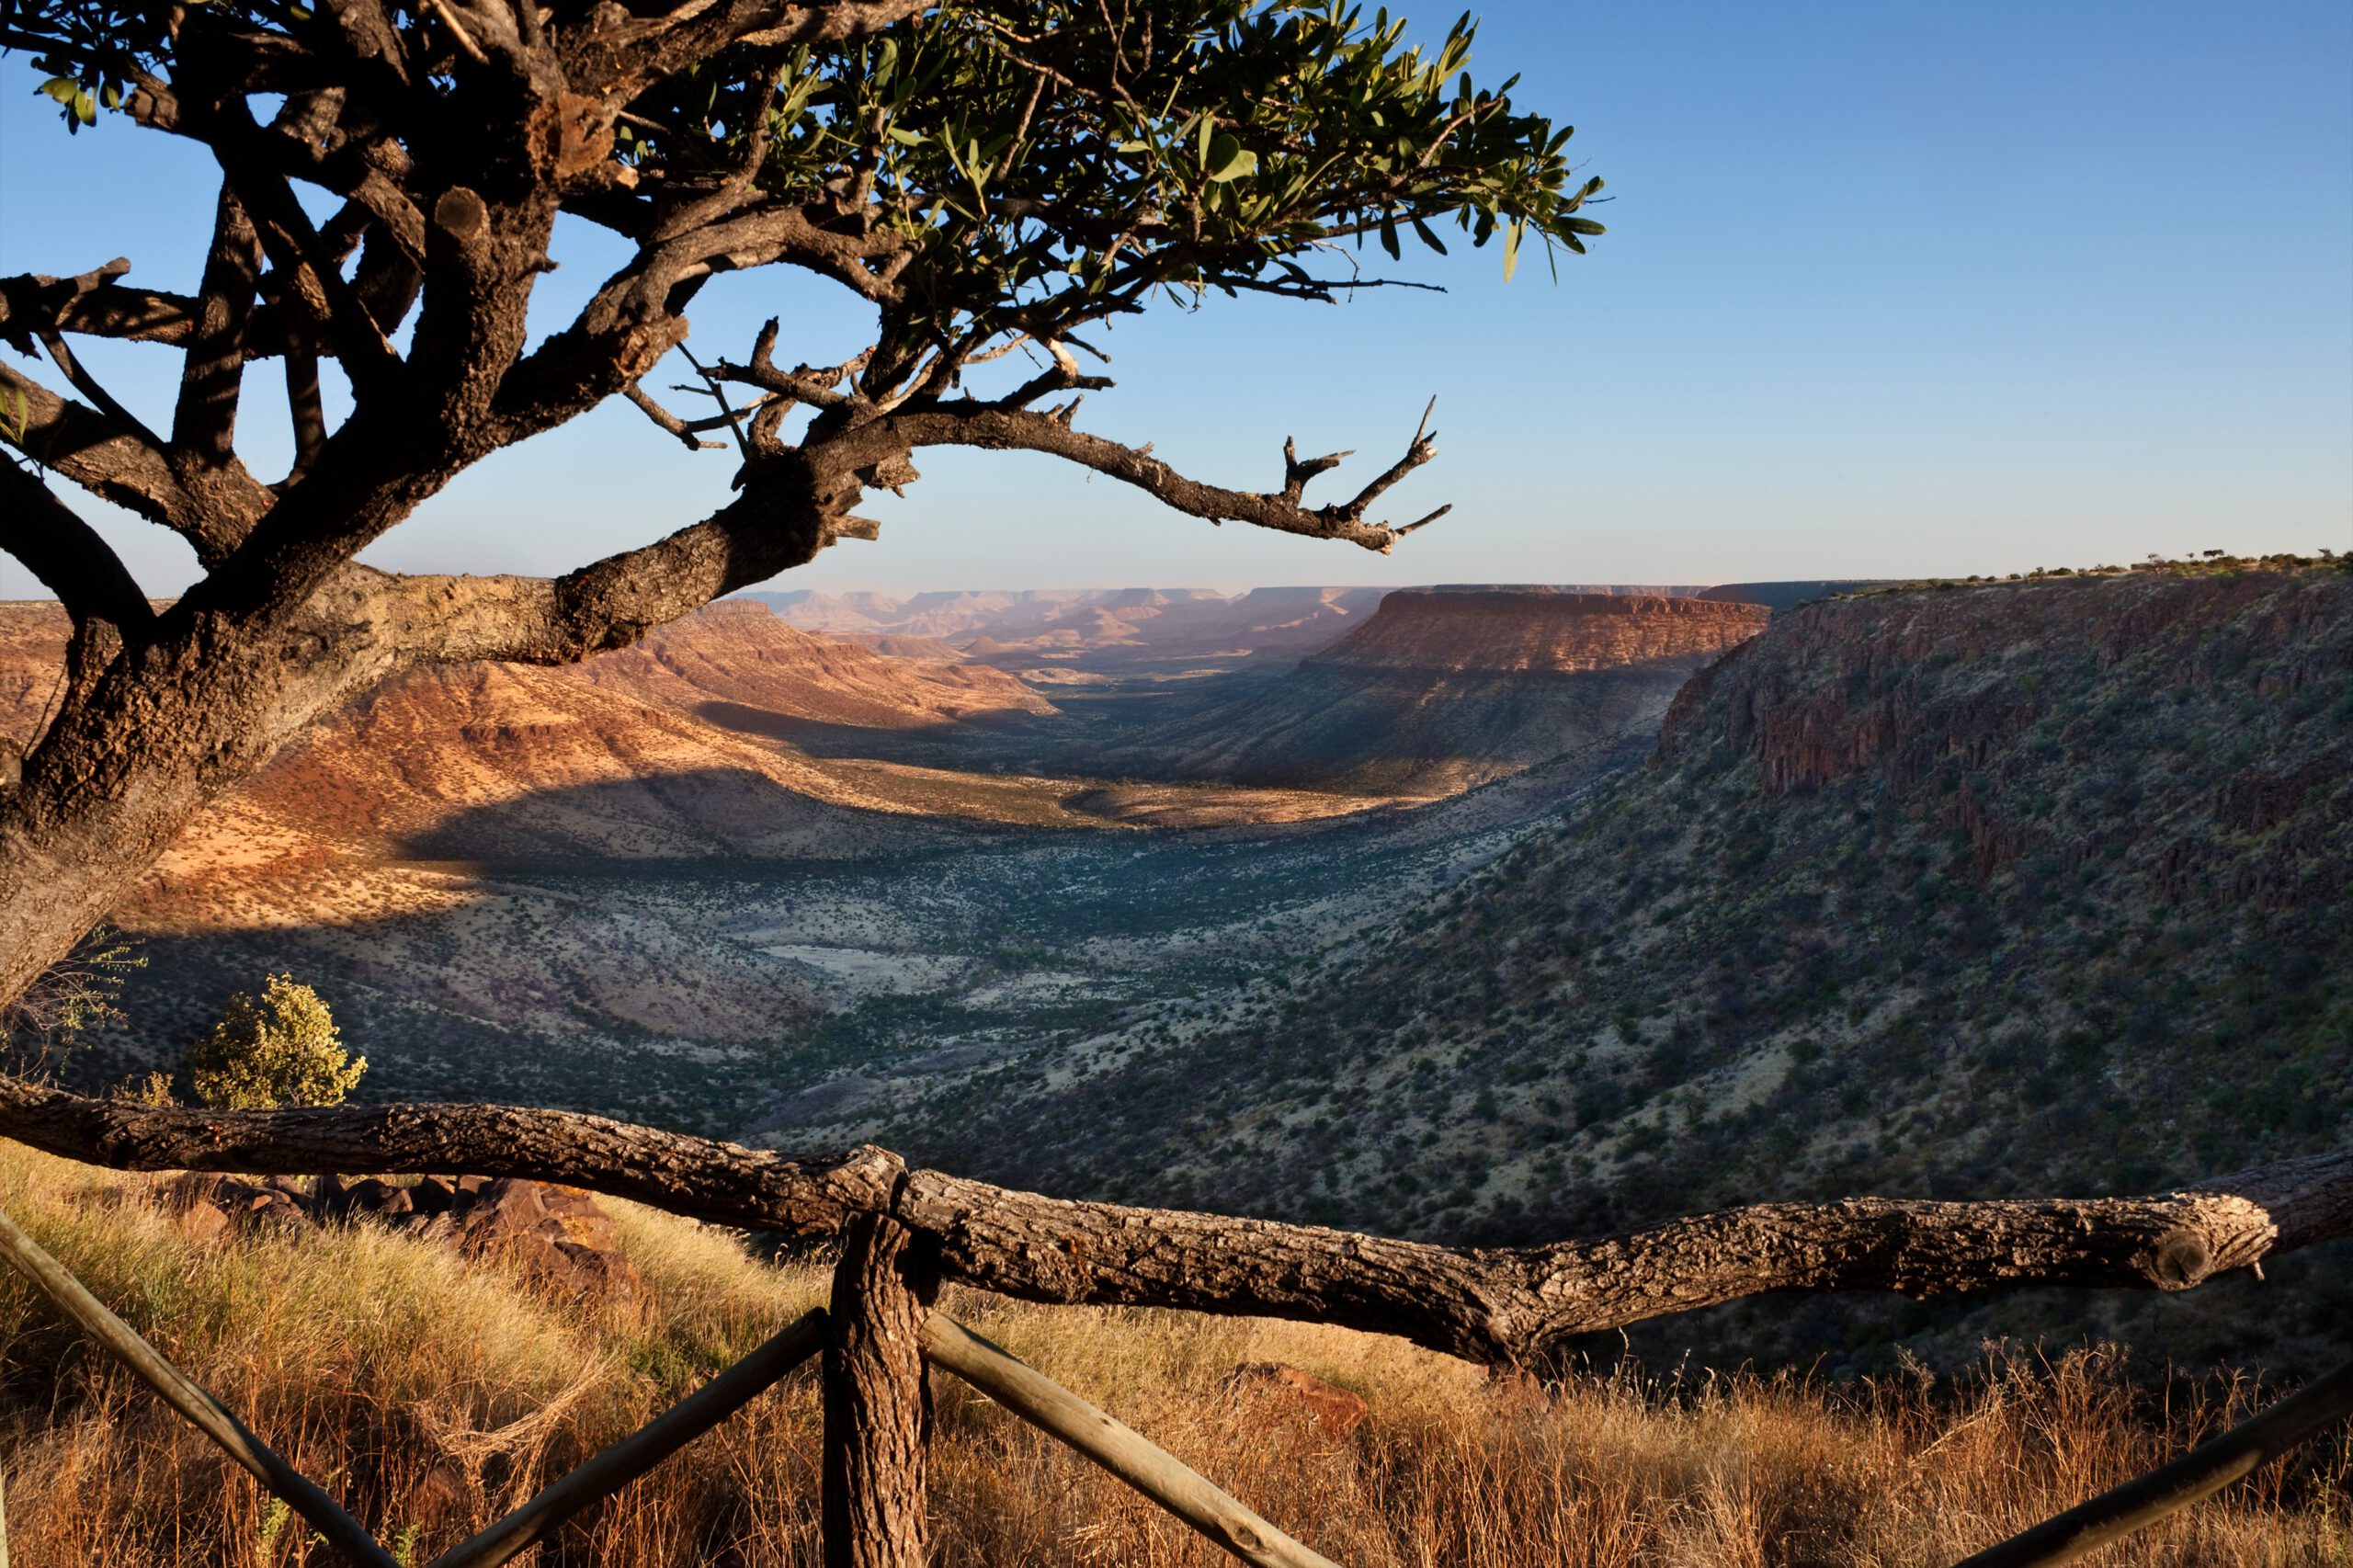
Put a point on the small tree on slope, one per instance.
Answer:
(991, 179)
(282, 1051)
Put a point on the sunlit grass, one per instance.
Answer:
(432, 1393)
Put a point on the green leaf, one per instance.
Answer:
(1511, 246)
(1389, 238)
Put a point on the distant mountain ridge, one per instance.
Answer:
(1112, 628)
(1444, 689)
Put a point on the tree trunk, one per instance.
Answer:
(168, 726)
(877, 1414)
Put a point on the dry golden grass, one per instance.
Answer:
(431, 1393)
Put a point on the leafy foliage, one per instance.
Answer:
(1041, 164)
(282, 1051)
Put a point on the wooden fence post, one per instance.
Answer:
(878, 1414)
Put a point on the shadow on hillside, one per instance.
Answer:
(977, 741)
(717, 813)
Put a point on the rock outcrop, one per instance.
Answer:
(1445, 689)
(1536, 631)
(736, 663)
(559, 1236)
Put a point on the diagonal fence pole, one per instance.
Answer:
(1134, 1458)
(208, 1414)
(616, 1466)
(2203, 1472)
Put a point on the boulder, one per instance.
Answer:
(203, 1223)
(559, 1234)
(556, 1233)
(373, 1195)
(236, 1205)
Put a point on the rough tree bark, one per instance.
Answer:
(1500, 1305)
(878, 1409)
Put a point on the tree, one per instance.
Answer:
(282, 1051)
(991, 178)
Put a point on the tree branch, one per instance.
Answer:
(1498, 1305)
(665, 420)
(113, 462)
(93, 304)
(621, 58)
(204, 421)
(66, 554)
(997, 426)
(308, 274)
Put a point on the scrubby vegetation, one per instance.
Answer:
(2032, 886)
(431, 1391)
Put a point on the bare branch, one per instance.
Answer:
(304, 408)
(806, 384)
(308, 272)
(717, 390)
(87, 385)
(94, 303)
(998, 427)
(204, 421)
(666, 420)
(1297, 473)
(66, 554)
(448, 17)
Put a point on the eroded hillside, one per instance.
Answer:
(1960, 893)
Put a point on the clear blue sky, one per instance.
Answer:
(1889, 290)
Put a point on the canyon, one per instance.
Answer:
(634, 883)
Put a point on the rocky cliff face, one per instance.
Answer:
(1990, 889)
(1445, 689)
(1538, 631)
(1118, 631)
(1941, 689)
(645, 753)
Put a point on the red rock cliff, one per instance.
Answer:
(1535, 630)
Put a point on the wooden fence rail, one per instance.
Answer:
(905, 1230)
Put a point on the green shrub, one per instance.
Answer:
(282, 1051)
